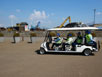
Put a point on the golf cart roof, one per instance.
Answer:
(75, 29)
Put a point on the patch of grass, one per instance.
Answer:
(52, 34)
(73, 35)
(93, 34)
(16, 35)
(33, 34)
(1, 35)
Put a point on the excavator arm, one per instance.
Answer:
(65, 22)
(38, 24)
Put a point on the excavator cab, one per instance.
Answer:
(75, 24)
(71, 24)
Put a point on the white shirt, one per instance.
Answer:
(69, 41)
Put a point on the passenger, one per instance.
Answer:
(69, 41)
(57, 40)
(78, 41)
(89, 39)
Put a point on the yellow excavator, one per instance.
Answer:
(65, 22)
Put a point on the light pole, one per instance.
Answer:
(94, 15)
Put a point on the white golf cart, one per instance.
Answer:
(85, 49)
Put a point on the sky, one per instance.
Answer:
(50, 13)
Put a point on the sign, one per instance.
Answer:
(26, 28)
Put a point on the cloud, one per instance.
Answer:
(18, 10)
(12, 17)
(38, 15)
(1, 25)
(43, 17)
(99, 13)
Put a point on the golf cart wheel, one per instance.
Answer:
(87, 52)
(42, 51)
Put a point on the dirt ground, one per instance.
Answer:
(21, 60)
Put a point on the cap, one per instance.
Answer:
(87, 31)
(79, 33)
(58, 34)
(69, 34)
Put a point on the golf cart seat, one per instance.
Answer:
(57, 47)
(91, 44)
(68, 47)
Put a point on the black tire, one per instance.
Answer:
(42, 51)
(87, 52)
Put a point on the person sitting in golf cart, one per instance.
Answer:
(69, 41)
(78, 41)
(89, 39)
(57, 40)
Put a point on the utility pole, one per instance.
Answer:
(94, 15)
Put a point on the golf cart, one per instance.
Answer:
(83, 48)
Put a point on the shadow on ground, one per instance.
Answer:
(13, 42)
(29, 42)
(56, 53)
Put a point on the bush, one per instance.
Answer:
(52, 34)
(73, 35)
(93, 34)
(33, 34)
(1, 34)
(16, 34)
